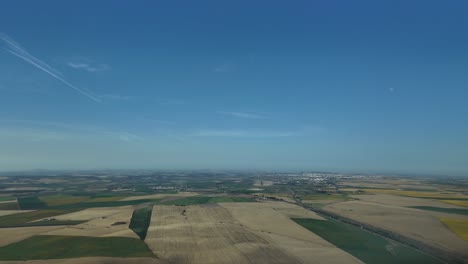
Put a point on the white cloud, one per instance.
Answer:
(89, 67)
(242, 115)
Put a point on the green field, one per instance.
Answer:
(91, 204)
(140, 221)
(9, 206)
(443, 210)
(7, 198)
(368, 247)
(207, 199)
(62, 247)
(23, 219)
(31, 203)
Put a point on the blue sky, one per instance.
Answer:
(361, 86)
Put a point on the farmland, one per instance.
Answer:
(140, 221)
(370, 248)
(238, 232)
(57, 247)
(234, 217)
(459, 227)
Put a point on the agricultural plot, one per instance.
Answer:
(237, 233)
(57, 200)
(93, 204)
(28, 218)
(111, 225)
(422, 194)
(90, 260)
(12, 235)
(420, 225)
(10, 212)
(395, 200)
(90, 213)
(9, 206)
(458, 226)
(140, 221)
(370, 248)
(207, 200)
(443, 210)
(456, 202)
(31, 203)
(161, 196)
(59, 247)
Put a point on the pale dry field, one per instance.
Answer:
(238, 233)
(263, 183)
(90, 260)
(9, 212)
(9, 201)
(417, 224)
(15, 234)
(159, 196)
(396, 200)
(100, 227)
(92, 213)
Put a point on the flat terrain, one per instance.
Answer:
(90, 260)
(159, 196)
(459, 227)
(388, 199)
(237, 233)
(370, 248)
(226, 217)
(110, 225)
(417, 224)
(12, 235)
(10, 212)
(93, 213)
(56, 247)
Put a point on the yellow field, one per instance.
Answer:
(456, 202)
(62, 199)
(458, 226)
(106, 199)
(419, 194)
(322, 197)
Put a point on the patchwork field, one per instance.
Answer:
(92, 213)
(10, 212)
(421, 194)
(159, 196)
(237, 233)
(417, 224)
(90, 260)
(459, 227)
(370, 248)
(12, 235)
(388, 199)
(110, 225)
(56, 247)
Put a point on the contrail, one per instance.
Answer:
(16, 50)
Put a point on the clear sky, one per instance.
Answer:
(369, 86)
